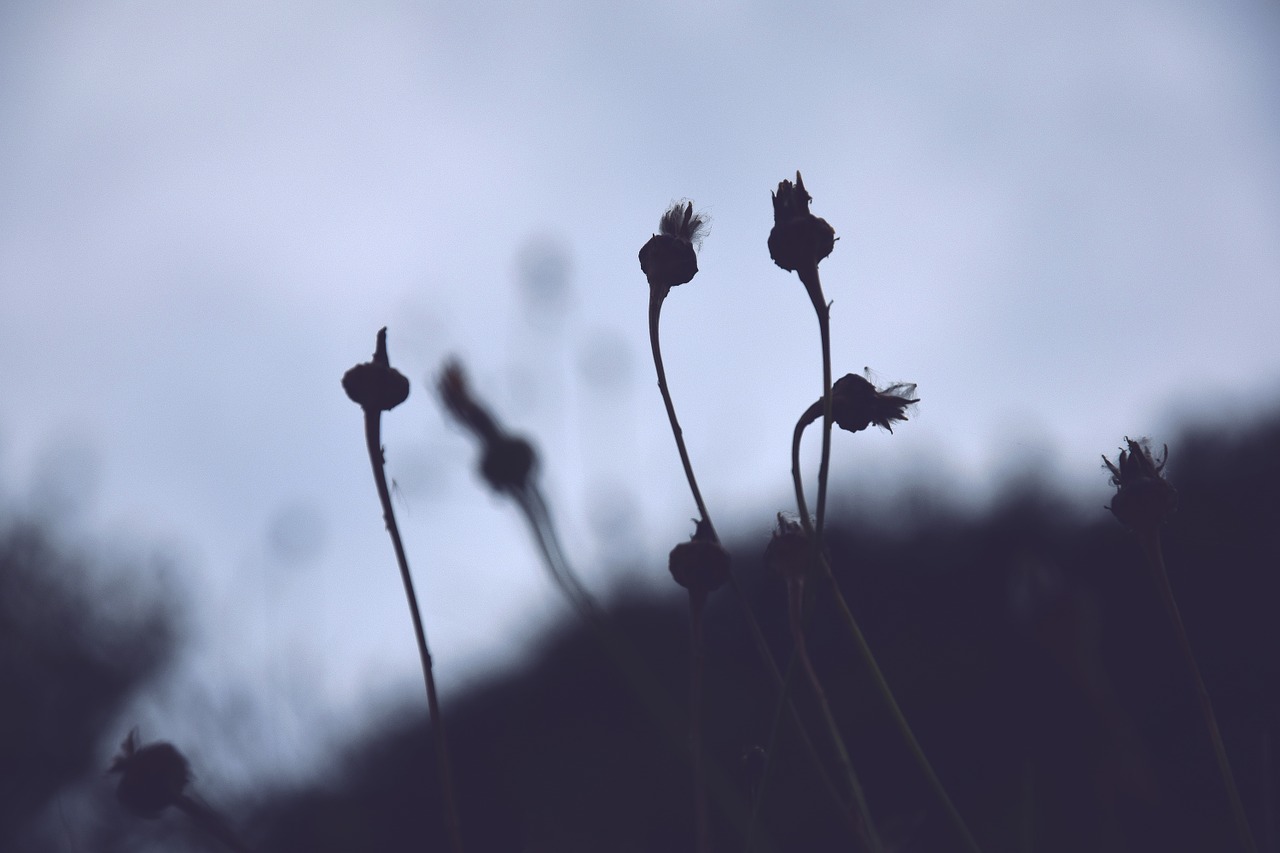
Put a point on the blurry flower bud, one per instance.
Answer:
(799, 240)
(1144, 498)
(700, 565)
(856, 404)
(507, 462)
(787, 553)
(152, 777)
(376, 385)
(668, 258)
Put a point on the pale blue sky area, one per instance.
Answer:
(1061, 221)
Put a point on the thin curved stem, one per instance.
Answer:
(373, 439)
(886, 695)
(1150, 540)
(656, 297)
(869, 658)
(795, 603)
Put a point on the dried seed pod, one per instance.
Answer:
(700, 565)
(376, 385)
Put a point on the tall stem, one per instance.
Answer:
(864, 649)
(824, 333)
(1150, 539)
(795, 604)
(697, 602)
(373, 439)
(656, 297)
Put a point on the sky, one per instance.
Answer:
(1061, 221)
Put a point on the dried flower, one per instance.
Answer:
(700, 565)
(668, 258)
(856, 403)
(376, 385)
(799, 240)
(506, 461)
(1144, 498)
(152, 777)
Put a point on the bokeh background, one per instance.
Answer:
(1063, 223)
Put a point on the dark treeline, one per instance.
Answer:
(1025, 645)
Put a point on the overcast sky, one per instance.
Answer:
(1061, 220)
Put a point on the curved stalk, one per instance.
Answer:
(373, 439)
(656, 297)
(1150, 540)
(795, 605)
(868, 657)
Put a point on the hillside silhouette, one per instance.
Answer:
(1025, 645)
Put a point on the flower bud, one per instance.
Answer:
(376, 385)
(1144, 498)
(668, 258)
(799, 240)
(700, 565)
(152, 777)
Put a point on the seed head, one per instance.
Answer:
(376, 385)
(152, 777)
(668, 257)
(700, 565)
(799, 240)
(856, 403)
(1144, 498)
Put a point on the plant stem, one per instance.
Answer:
(795, 604)
(1150, 540)
(864, 650)
(904, 728)
(697, 603)
(813, 285)
(373, 439)
(656, 297)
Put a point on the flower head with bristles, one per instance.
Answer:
(668, 257)
(857, 404)
(1144, 498)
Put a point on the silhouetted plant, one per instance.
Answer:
(1143, 501)
(378, 387)
(154, 778)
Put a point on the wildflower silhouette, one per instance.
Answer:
(378, 387)
(1143, 501)
(154, 778)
